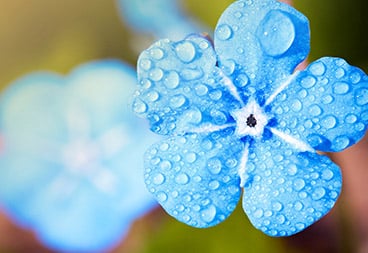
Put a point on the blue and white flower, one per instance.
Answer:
(72, 165)
(240, 118)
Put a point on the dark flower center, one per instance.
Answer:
(251, 121)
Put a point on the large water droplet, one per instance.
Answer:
(201, 89)
(165, 165)
(308, 82)
(152, 96)
(182, 178)
(327, 174)
(315, 110)
(339, 73)
(157, 53)
(156, 74)
(258, 213)
(209, 214)
(241, 80)
(341, 142)
(161, 196)
(277, 206)
(223, 32)
(214, 185)
(298, 206)
(193, 115)
(191, 157)
(185, 51)
(341, 88)
(327, 99)
(351, 118)
(145, 64)
(191, 74)
(292, 169)
(296, 105)
(172, 80)
(280, 219)
(276, 33)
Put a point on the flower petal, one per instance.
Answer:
(286, 190)
(181, 87)
(261, 42)
(194, 177)
(326, 105)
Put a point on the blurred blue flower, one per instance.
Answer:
(161, 18)
(71, 167)
(239, 116)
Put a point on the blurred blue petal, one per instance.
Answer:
(161, 18)
(71, 168)
(267, 111)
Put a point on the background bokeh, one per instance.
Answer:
(59, 35)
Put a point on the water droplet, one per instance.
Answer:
(258, 213)
(159, 179)
(139, 106)
(223, 32)
(327, 174)
(315, 110)
(191, 157)
(299, 184)
(193, 115)
(214, 166)
(145, 64)
(292, 169)
(241, 80)
(152, 96)
(276, 26)
(204, 45)
(339, 73)
(317, 68)
(296, 105)
(185, 51)
(182, 178)
(280, 219)
(361, 96)
(165, 165)
(277, 206)
(328, 99)
(341, 88)
(156, 74)
(209, 214)
(341, 142)
(214, 185)
(355, 77)
(161, 196)
(157, 53)
(329, 122)
(300, 226)
(177, 101)
(216, 95)
(308, 82)
(303, 93)
(318, 193)
(298, 206)
(308, 124)
(201, 89)
(172, 80)
(238, 14)
(191, 74)
(228, 67)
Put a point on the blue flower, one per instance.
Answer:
(161, 18)
(240, 118)
(71, 168)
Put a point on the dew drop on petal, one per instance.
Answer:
(318, 193)
(315, 110)
(258, 213)
(361, 96)
(145, 64)
(161, 196)
(351, 118)
(341, 142)
(241, 80)
(341, 88)
(296, 105)
(177, 101)
(209, 214)
(214, 166)
(213, 185)
(276, 33)
(292, 169)
(223, 32)
(308, 82)
(298, 206)
(172, 80)
(191, 157)
(201, 89)
(139, 106)
(327, 174)
(158, 179)
(157, 53)
(317, 68)
(182, 178)
(329, 122)
(299, 184)
(185, 51)
(156, 74)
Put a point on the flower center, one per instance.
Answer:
(250, 120)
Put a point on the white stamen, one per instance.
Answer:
(210, 128)
(295, 142)
(282, 87)
(242, 166)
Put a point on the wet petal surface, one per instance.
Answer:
(286, 191)
(194, 177)
(181, 88)
(259, 43)
(326, 105)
